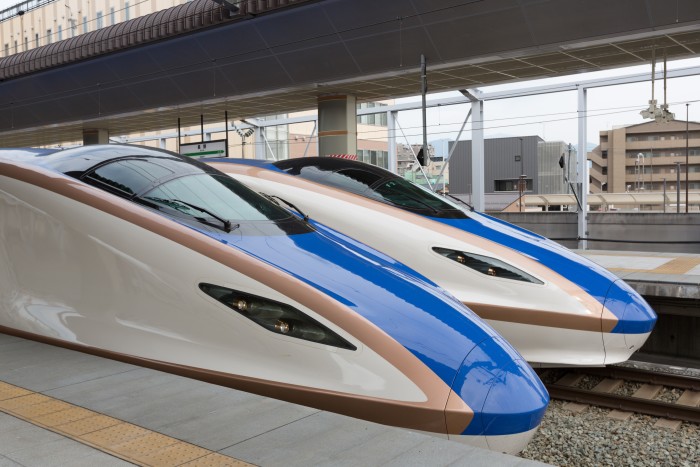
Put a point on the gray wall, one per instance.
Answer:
(627, 228)
(499, 163)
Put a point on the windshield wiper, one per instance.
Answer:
(273, 198)
(461, 201)
(227, 223)
(170, 203)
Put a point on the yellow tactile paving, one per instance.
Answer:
(144, 447)
(8, 391)
(22, 402)
(87, 425)
(216, 460)
(648, 262)
(35, 411)
(124, 440)
(64, 417)
(114, 435)
(680, 265)
(177, 454)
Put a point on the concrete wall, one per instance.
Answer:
(631, 231)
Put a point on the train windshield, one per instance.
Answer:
(192, 194)
(220, 195)
(412, 197)
(372, 182)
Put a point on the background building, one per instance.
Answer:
(640, 157)
(506, 159)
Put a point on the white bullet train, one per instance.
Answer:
(143, 256)
(556, 308)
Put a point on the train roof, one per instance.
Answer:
(332, 164)
(76, 161)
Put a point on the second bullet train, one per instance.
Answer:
(556, 307)
(147, 257)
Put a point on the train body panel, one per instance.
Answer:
(561, 310)
(83, 268)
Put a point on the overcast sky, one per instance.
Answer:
(554, 116)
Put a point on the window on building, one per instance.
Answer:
(26, 43)
(99, 24)
(48, 36)
(605, 170)
(604, 154)
(7, 50)
(126, 11)
(16, 49)
(112, 16)
(60, 32)
(511, 184)
(36, 40)
(85, 24)
(604, 186)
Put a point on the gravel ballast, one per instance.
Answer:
(592, 438)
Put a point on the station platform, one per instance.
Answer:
(672, 275)
(60, 407)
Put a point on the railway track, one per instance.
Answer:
(567, 385)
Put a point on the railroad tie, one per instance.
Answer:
(572, 380)
(646, 391)
(689, 398)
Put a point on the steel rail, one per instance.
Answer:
(626, 403)
(647, 376)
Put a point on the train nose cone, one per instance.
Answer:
(634, 313)
(507, 397)
(636, 317)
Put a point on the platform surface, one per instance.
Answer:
(164, 409)
(674, 275)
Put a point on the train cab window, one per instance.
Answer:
(181, 189)
(217, 194)
(405, 194)
(353, 180)
(129, 176)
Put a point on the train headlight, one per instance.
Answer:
(275, 316)
(489, 266)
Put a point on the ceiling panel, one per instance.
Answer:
(281, 64)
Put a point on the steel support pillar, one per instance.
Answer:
(391, 141)
(337, 125)
(95, 136)
(582, 169)
(478, 198)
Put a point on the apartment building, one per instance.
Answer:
(646, 156)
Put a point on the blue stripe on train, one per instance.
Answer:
(431, 324)
(594, 279)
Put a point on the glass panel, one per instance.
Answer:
(130, 176)
(220, 195)
(354, 180)
(406, 194)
